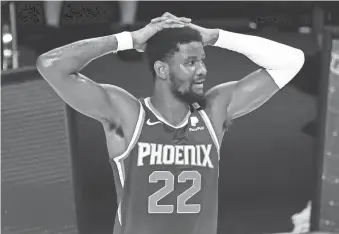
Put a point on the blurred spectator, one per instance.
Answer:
(52, 13)
(128, 10)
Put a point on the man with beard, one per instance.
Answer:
(164, 149)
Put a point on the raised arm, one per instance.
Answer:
(60, 68)
(106, 103)
(279, 62)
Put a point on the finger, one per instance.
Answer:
(173, 26)
(159, 19)
(167, 14)
(173, 21)
(177, 26)
(184, 19)
(155, 20)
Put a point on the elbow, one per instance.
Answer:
(47, 68)
(46, 64)
(41, 63)
(299, 59)
(296, 60)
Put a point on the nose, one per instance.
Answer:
(201, 69)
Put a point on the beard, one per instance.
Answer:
(188, 96)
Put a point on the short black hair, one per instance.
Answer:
(165, 43)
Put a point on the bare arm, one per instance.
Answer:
(280, 63)
(106, 103)
(60, 68)
(238, 98)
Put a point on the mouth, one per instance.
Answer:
(199, 84)
(199, 81)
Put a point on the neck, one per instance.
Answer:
(169, 106)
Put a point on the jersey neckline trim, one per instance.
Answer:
(162, 119)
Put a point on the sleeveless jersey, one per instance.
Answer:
(167, 180)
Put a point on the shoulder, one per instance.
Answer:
(218, 98)
(216, 102)
(115, 90)
(129, 109)
(224, 90)
(125, 101)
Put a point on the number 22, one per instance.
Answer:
(168, 177)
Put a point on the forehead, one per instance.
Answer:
(192, 49)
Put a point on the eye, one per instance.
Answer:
(191, 63)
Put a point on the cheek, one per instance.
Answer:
(182, 84)
(186, 75)
(186, 71)
(182, 77)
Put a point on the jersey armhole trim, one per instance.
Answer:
(211, 130)
(119, 159)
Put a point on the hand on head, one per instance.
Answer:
(167, 20)
(209, 36)
(168, 16)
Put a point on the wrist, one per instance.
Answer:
(214, 36)
(221, 38)
(134, 36)
(124, 40)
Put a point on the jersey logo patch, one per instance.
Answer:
(194, 121)
(152, 123)
(196, 129)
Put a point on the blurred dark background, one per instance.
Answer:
(56, 176)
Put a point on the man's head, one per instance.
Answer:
(175, 56)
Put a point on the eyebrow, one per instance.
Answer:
(194, 57)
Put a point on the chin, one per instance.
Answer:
(199, 94)
(195, 97)
(190, 97)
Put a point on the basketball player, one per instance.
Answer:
(164, 149)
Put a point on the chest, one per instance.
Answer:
(189, 134)
(189, 146)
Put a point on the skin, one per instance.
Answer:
(225, 102)
(186, 68)
(174, 88)
(118, 110)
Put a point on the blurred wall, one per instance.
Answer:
(36, 175)
(329, 195)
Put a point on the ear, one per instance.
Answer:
(161, 69)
